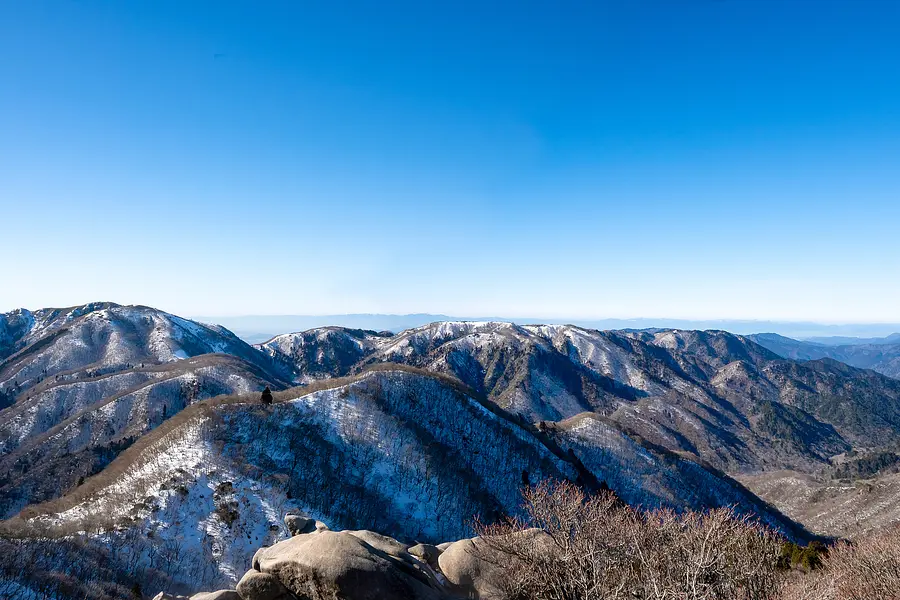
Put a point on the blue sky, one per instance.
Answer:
(680, 158)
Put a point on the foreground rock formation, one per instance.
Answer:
(317, 563)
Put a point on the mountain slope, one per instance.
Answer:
(40, 462)
(103, 338)
(715, 395)
(882, 355)
(831, 506)
(400, 450)
(665, 417)
(321, 353)
(81, 384)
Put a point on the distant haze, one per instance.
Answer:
(259, 328)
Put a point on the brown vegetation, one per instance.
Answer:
(867, 569)
(571, 546)
(596, 548)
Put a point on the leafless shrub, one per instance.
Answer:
(574, 547)
(867, 569)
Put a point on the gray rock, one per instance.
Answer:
(261, 586)
(444, 546)
(165, 596)
(219, 595)
(426, 553)
(254, 562)
(297, 524)
(341, 564)
(473, 569)
(386, 544)
(467, 571)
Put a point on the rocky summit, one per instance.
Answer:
(361, 565)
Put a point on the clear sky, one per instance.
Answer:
(676, 158)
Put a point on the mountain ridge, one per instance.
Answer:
(260, 328)
(881, 355)
(665, 417)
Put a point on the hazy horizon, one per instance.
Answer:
(259, 328)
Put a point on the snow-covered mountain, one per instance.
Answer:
(323, 352)
(80, 384)
(101, 338)
(394, 449)
(715, 395)
(144, 430)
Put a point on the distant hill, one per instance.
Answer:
(878, 354)
(259, 328)
(894, 338)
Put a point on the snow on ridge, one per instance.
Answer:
(667, 339)
(440, 333)
(286, 342)
(445, 329)
(176, 492)
(184, 449)
(210, 337)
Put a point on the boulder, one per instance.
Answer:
(166, 596)
(297, 524)
(346, 565)
(386, 544)
(426, 553)
(444, 546)
(261, 586)
(254, 562)
(471, 570)
(220, 595)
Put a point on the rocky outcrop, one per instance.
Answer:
(365, 565)
(297, 524)
(262, 586)
(426, 553)
(219, 595)
(472, 569)
(345, 565)
(467, 572)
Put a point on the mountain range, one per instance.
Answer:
(144, 431)
(259, 328)
(878, 354)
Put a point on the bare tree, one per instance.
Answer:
(867, 569)
(572, 546)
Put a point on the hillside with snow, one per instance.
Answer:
(394, 450)
(138, 430)
(79, 385)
